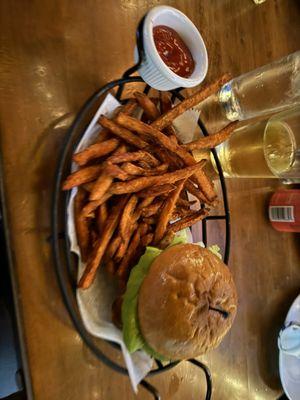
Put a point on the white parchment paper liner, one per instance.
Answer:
(95, 303)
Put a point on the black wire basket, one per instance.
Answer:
(66, 262)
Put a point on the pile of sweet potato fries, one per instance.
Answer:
(133, 183)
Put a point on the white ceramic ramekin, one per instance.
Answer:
(153, 70)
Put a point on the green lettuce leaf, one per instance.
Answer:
(131, 332)
(216, 250)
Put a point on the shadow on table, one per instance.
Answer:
(268, 353)
(296, 238)
(46, 153)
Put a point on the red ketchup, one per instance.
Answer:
(284, 210)
(173, 51)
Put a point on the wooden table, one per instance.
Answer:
(54, 55)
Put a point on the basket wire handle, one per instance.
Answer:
(208, 377)
(141, 55)
(146, 385)
(151, 389)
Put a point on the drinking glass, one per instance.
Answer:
(269, 89)
(266, 149)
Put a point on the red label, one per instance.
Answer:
(284, 210)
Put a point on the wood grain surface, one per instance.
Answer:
(54, 54)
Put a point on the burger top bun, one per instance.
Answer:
(187, 302)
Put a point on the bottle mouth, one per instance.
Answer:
(229, 102)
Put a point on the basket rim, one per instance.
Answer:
(61, 197)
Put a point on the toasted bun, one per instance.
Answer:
(174, 300)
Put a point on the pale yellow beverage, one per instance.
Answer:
(262, 150)
(280, 148)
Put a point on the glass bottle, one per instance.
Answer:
(270, 88)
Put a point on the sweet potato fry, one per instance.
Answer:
(121, 149)
(105, 180)
(181, 213)
(131, 254)
(95, 150)
(116, 172)
(103, 135)
(96, 257)
(134, 156)
(112, 247)
(185, 203)
(81, 224)
(190, 187)
(152, 209)
(157, 190)
(165, 106)
(124, 243)
(133, 169)
(130, 107)
(208, 142)
(127, 157)
(144, 164)
(121, 251)
(143, 227)
(165, 102)
(101, 217)
(173, 137)
(163, 156)
(126, 218)
(123, 133)
(187, 221)
(169, 158)
(103, 213)
(146, 239)
(136, 215)
(167, 118)
(166, 240)
(88, 187)
(81, 176)
(91, 206)
(101, 186)
(138, 184)
(206, 186)
(158, 170)
(166, 213)
(146, 202)
(94, 237)
(147, 105)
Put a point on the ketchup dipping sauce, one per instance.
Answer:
(173, 51)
